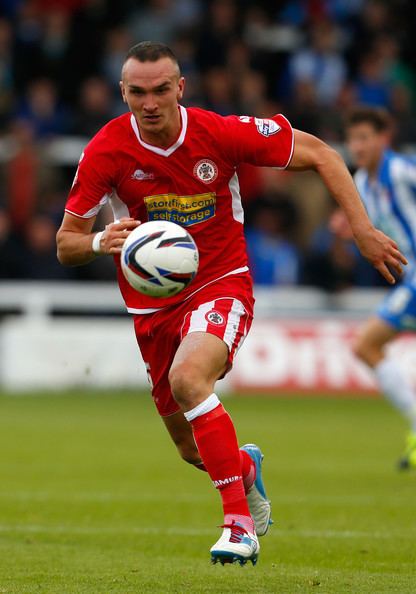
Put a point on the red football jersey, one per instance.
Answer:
(192, 183)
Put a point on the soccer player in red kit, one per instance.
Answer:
(161, 161)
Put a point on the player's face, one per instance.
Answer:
(366, 145)
(152, 91)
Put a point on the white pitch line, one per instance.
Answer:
(104, 497)
(101, 497)
(59, 528)
(183, 531)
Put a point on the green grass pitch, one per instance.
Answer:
(94, 499)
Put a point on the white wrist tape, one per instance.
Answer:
(96, 242)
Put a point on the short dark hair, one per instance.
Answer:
(377, 117)
(150, 51)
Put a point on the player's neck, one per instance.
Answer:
(165, 137)
(374, 168)
(373, 171)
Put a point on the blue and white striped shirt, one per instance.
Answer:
(390, 200)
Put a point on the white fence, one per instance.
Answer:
(61, 335)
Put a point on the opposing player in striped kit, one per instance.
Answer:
(386, 182)
(166, 162)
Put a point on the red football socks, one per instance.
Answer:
(248, 469)
(216, 440)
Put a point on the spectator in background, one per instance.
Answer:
(321, 63)
(404, 115)
(375, 18)
(67, 6)
(162, 19)
(95, 107)
(251, 92)
(185, 49)
(54, 45)
(89, 23)
(331, 119)
(273, 255)
(371, 85)
(11, 261)
(40, 260)
(117, 42)
(6, 71)
(304, 111)
(28, 36)
(396, 71)
(42, 110)
(218, 91)
(238, 58)
(218, 32)
(22, 176)
(333, 263)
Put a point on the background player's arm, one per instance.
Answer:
(380, 250)
(74, 239)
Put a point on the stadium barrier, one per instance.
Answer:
(57, 335)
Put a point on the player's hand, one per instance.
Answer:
(382, 252)
(115, 235)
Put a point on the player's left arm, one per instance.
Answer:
(311, 153)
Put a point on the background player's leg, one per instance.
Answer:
(200, 360)
(370, 348)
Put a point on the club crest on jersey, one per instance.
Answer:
(206, 171)
(214, 317)
(266, 127)
(140, 175)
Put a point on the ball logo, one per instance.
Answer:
(206, 171)
(214, 317)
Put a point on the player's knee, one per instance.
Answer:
(358, 348)
(185, 383)
(365, 350)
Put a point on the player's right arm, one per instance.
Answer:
(310, 153)
(75, 239)
(94, 183)
(271, 142)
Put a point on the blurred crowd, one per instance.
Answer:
(312, 60)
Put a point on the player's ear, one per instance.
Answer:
(181, 88)
(123, 94)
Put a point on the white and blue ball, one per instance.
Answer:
(159, 259)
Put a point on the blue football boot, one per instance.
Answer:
(259, 505)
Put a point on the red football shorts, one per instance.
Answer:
(223, 308)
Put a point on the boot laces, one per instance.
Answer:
(237, 531)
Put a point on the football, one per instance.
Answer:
(159, 259)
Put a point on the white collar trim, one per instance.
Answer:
(155, 149)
